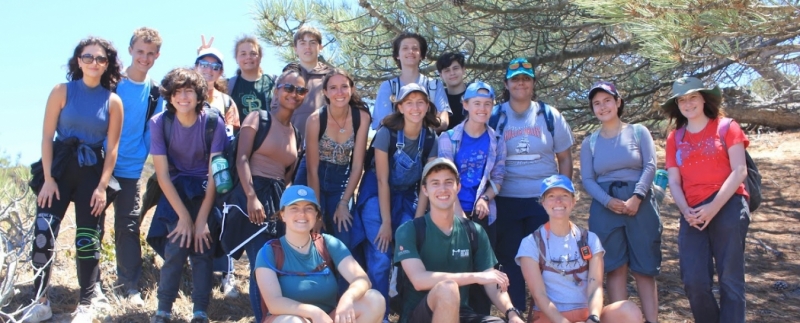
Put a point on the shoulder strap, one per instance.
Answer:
(430, 139)
(472, 235)
(228, 102)
(323, 121)
(722, 130)
(355, 113)
(169, 118)
(593, 140)
(232, 83)
(211, 127)
(637, 133)
(264, 125)
(419, 229)
(322, 249)
(548, 118)
(392, 143)
(152, 101)
(494, 120)
(395, 86)
(537, 236)
(431, 85)
(277, 251)
(679, 134)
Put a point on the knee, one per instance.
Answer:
(445, 293)
(374, 301)
(87, 243)
(623, 312)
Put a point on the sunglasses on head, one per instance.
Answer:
(89, 58)
(292, 88)
(517, 65)
(212, 66)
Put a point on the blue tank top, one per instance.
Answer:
(85, 114)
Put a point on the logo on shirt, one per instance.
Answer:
(402, 251)
(251, 103)
(460, 253)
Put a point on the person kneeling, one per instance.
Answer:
(296, 274)
(457, 254)
(566, 279)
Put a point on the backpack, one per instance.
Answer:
(497, 113)
(752, 183)
(420, 225)
(637, 128)
(280, 257)
(430, 140)
(355, 113)
(432, 87)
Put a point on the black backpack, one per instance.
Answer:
(752, 183)
(420, 225)
(152, 101)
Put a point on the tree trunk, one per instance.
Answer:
(742, 105)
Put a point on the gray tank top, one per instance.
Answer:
(85, 113)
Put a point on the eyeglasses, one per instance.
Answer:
(212, 66)
(292, 89)
(524, 65)
(89, 58)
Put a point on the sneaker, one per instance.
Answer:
(135, 298)
(99, 296)
(158, 318)
(229, 288)
(37, 313)
(83, 314)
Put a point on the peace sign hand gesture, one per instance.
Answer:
(205, 45)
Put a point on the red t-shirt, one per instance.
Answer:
(703, 163)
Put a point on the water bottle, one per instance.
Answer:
(222, 177)
(661, 179)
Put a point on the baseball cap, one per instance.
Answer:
(519, 66)
(408, 89)
(211, 51)
(607, 87)
(473, 91)
(554, 181)
(437, 162)
(297, 193)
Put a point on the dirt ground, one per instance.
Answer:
(771, 253)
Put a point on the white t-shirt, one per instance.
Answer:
(562, 254)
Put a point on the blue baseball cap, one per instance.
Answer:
(519, 66)
(554, 181)
(473, 91)
(297, 193)
(408, 89)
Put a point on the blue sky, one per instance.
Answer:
(39, 37)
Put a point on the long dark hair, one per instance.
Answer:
(712, 109)
(180, 78)
(355, 99)
(396, 122)
(110, 77)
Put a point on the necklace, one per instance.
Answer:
(299, 247)
(341, 128)
(567, 248)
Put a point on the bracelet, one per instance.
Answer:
(515, 310)
(342, 202)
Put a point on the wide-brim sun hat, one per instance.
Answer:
(298, 193)
(686, 85)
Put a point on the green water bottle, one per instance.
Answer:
(222, 177)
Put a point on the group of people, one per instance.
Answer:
(460, 191)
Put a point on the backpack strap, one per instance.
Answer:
(494, 120)
(264, 124)
(427, 147)
(548, 118)
(583, 241)
(232, 83)
(593, 140)
(394, 84)
(419, 228)
(152, 102)
(637, 135)
(211, 127)
(323, 121)
(322, 249)
(355, 113)
(420, 225)
(722, 130)
(456, 143)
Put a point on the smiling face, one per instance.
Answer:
(691, 105)
(338, 91)
(453, 75)
(605, 107)
(206, 68)
(184, 100)
(291, 100)
(300, 217)
(558, 203)
(144, 55)
(520, 86)
(414, 107)
(248, 56)
(307, 49)
(480, 109)
(441, 187)
(409, 53)
(93, 69)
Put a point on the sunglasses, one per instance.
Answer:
(212, 66)
(292, 89)
(89, 58)
(517, 65)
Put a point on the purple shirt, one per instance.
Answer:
(187, 144)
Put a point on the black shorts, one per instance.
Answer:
(424, 314)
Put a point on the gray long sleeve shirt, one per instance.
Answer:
(619, 158)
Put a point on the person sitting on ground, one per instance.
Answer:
(182, 159)
(296, 272)
(441, 271)
(563, 265)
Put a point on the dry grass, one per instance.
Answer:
(775, 224)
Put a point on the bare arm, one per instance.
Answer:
(595, 287)
(707, 212)
(533, 277)
(422, 279)
(115, 115)
(501, 300)
(359, 152)
(565, 162)
(444, 121)
(312, 153)
(55, 102)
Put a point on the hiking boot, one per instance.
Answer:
(229, 288)
(83, 314)
(37, 313)
(158, 318)
(135, 298)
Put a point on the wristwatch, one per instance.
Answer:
(485, 197)
(594, 318)
(515, 310)
(639, 195)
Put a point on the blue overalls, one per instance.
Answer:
(405, 174)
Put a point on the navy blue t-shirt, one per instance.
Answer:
(471, 161)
